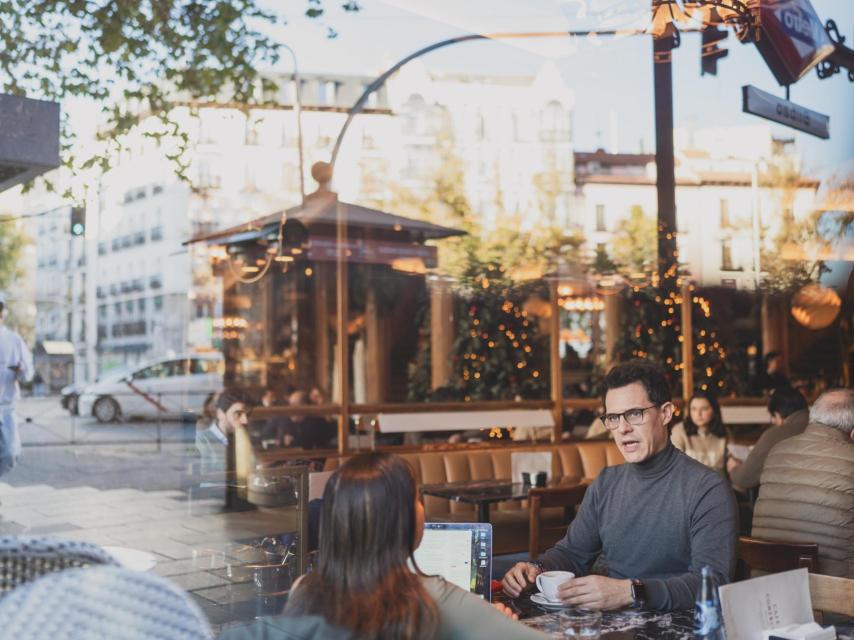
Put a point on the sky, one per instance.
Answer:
(608, 75)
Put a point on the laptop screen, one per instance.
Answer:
(459, 552)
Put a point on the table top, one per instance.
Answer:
(623, 624)
(486, 491)
(478, 491)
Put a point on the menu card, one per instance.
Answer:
(770, 602)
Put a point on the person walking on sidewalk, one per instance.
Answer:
(16, 364)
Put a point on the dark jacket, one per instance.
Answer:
(747, 475)
(286, 628)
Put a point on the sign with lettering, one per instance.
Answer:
(792, 39)
(766, 105)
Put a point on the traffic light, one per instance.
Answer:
(78, 221)
(710, 52)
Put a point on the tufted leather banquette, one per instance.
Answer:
(583, 460)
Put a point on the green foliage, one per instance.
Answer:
(12, 243)
(635, 245)
(138, 57)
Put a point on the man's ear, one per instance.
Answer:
(667, 412)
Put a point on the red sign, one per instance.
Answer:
(792, 38)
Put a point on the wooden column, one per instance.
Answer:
(687, 345)
(376, 361)
(775, 329)
(612, 328)
(342, 346)
(321, 327)
(554, 362)
(441, 332)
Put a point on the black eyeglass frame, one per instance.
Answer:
(624, 416)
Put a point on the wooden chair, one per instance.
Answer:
(832, 595)
(774, 557)
(540, 498)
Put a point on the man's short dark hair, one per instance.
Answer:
(230, 397)
(786, 401)
(649, 374)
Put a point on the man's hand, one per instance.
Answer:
(505, 610)
(596, 592)
(520, 576)
(732, 464)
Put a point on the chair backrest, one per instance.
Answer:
(830, 594)
(773, 556)
(540, 498)
(25, 558)
(101, 602)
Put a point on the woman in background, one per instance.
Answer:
(702, 435)
(366, 580)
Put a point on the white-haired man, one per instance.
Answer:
(16, 364)
(806, 492)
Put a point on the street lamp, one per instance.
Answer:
(298, 111)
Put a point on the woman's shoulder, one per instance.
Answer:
(678, 431)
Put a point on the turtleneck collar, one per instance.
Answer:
(657, 464)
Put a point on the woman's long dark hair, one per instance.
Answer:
(716, 426)
(363, 581)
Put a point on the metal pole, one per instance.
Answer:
(757, 243)
(342, 347)
(665, 172)
(554, 353)
(298, 111)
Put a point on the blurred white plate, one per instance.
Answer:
(132, 559)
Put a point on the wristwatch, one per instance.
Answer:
(638, 593)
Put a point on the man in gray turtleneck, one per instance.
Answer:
(657, 519)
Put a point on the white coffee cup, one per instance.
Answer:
(548, 583)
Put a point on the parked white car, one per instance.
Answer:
(166, 388)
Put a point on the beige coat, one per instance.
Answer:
(806, 494)
(706, 448)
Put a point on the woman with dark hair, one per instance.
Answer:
(366, 580)
(702, 435)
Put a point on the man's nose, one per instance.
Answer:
(625, 427)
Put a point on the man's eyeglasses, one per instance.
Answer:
(633, 416)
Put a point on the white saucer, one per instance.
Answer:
(541, 601)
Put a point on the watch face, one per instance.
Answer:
(638, 591)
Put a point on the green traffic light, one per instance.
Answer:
(77, 229)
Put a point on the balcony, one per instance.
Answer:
(100, 292)
(138, 285)
(156, 233)
(155, 282)
(139, 238)
(102, 248)
(116, 244)
(114, 289)
(127, 241)
(126, 287)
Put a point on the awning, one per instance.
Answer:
(55, 348)
(319, 215)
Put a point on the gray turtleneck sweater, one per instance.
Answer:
(658, 521)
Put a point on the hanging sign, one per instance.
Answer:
(766, 105)
(792, 39)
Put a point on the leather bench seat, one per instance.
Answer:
(583, 460)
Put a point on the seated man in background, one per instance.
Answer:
(807, 486)
(789, 417)
(657, 519)
(231, 412)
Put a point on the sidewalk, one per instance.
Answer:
(193, 542)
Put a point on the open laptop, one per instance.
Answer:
(461, 553)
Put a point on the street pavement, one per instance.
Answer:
(66, 451)
(116, 486)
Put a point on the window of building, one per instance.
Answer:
(600, 218)
(118, 308)
(554, 123)
(726, 255)
(158, 303)
(140, 304)
(726, 222)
